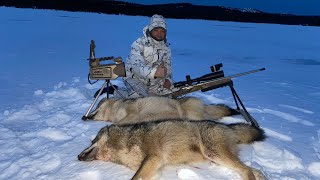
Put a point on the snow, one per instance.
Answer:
(314, 169)
(44, 91)
(288, 117)
(187, 174)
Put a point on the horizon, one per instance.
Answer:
(294, 7)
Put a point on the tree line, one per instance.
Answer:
(176, 10)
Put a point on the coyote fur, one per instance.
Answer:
(148, 147)
(127, 111)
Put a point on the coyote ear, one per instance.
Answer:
(104, 130)
(102, 133)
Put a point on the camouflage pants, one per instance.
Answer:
(134, 89)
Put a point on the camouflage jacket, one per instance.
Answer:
(145, 57)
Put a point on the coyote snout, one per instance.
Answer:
(88, 154)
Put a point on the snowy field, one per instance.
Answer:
(44, 91)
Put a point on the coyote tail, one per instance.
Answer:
(218, 111)
(247, 133)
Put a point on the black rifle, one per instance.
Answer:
(212, 81)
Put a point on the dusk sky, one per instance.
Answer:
(297, 7)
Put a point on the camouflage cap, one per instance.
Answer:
(157, 21)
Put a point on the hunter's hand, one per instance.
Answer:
(167, 84)
(161, 71)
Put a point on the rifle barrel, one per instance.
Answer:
(233, 76)
(245, 73)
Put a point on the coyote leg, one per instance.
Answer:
(148, 169)
(228, 159)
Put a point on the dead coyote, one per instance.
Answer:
(156, 108)
(147, 147)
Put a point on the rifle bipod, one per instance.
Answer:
(106, 84)
(242, 111)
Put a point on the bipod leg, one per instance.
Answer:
(107, 88)
(235, 99)
(244, 111)
(85, 117)
(121, 95)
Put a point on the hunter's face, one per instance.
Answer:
(159, 34)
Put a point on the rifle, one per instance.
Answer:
(206, 83)
(211, 81)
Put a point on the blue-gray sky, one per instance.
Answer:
(297, 7)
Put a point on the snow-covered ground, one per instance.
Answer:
(44, 91)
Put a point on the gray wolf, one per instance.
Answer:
(148, 147)
(127, 111)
